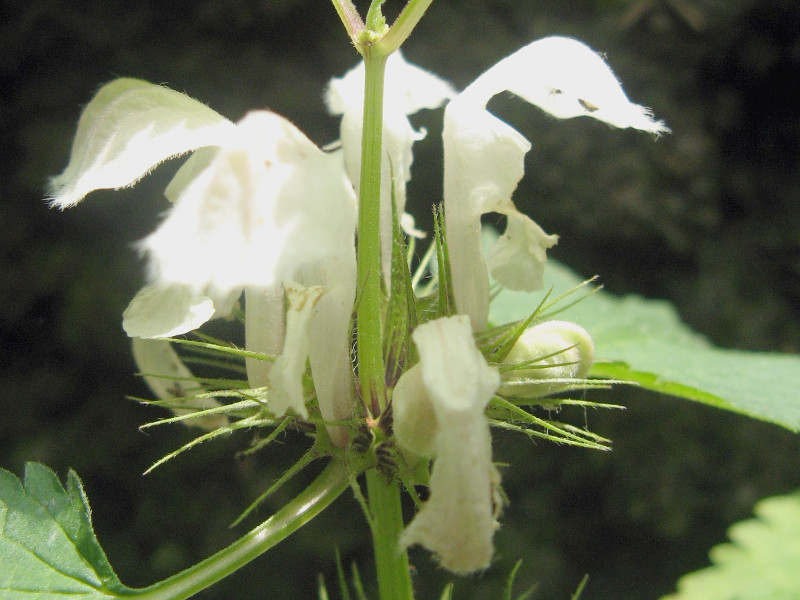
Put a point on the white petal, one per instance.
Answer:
(266, 206)
(329, 350)
(415, 422)
(408, 90)
(516, 260)
(457, 522)
(286, 375)
(483, 162)
(264, 328)
(408, 225)
(128, 128)
(454, 371)
(166, 311)
(190, 169)
(165, 374)
(565, 78)
(484, 156)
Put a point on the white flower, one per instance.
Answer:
(447, 393)
(484, 160)
(259, 206)
(408, 89)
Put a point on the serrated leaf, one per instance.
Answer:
(645, 341)
(761, 561)
(48, 550)
(47, 546)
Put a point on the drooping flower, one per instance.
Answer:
(484, 160)
(258, 206)
(439, 409)
(408, 89)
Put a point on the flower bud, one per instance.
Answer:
(552, 355)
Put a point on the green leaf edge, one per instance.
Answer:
(774, 526)
(611, 366)
(328, 486)
(40, 488)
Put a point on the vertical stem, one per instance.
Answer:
(394, 574)
(368, 315)
(394, 579)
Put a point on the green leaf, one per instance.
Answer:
(760, 562)
(48, 550)
(645, 341)
(47, 546)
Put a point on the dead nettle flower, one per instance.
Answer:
(484, 161)
(439, 409)
(258, 206)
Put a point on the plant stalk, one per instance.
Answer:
(307, 505)
(394, 573)
(368, 312)
(394, 579)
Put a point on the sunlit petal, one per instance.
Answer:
(264, 328)
(264, 207)
(166, 311)
(128, 128)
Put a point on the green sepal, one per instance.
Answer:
(298, 466)
(401, 312)
(510, 585)
(447, 303)
(496, 342)
(447, 592)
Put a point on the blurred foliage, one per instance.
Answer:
(706, 217)
(760, 562)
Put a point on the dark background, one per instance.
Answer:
(708, 217)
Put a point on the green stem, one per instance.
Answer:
(394, 578)
(394, 574)
(307, 505)
(350, 18)
(368, 315)
(404, 25)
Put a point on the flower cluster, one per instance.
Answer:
(259, 210)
